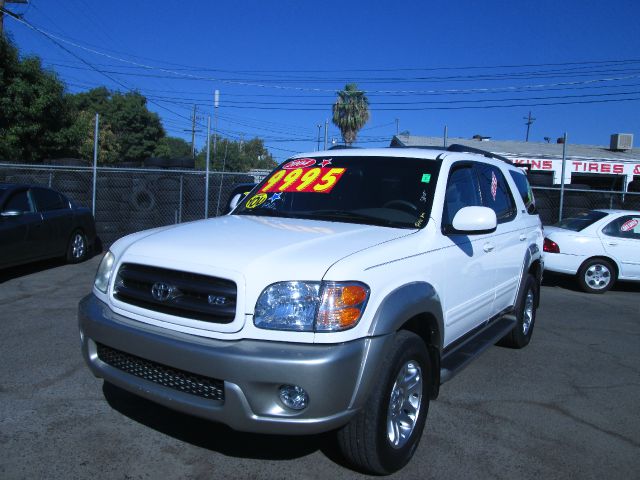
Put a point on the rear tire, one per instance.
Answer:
(596, 275)
(78, 249)
(525, 311)
(383, 436)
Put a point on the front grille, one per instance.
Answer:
(205, 387)
(184, 294)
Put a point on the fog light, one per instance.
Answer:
(294, 397)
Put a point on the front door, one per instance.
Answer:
(469, 268)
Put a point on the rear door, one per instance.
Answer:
(509, 241)
(621, 240)
(57, 219)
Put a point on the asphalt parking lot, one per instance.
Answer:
(567, 406)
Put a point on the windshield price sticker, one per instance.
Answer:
(315, 180)
(299, 163)
(256, 200)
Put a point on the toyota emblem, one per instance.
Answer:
(162, 291)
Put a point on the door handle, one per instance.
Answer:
(488, 247)
(523, 237)
(613, 244)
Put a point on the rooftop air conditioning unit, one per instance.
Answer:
(621, 141)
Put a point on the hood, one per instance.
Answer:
(242, 243)
(255, 251)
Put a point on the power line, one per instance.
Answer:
(265, 84)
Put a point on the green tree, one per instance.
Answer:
(350, 112)
(172, 147)
(238, 156)
(34, 113)
(137, 130)
(81, 136)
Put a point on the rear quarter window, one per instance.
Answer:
(524, 189)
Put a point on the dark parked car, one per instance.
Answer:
(38, 223)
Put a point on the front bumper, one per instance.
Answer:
(336, 377)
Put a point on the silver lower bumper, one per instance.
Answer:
(336, 377)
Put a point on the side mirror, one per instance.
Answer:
(473, 220)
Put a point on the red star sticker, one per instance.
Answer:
(325, 163)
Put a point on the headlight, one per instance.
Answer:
(311, 306)
(104, 272)
(288, 306)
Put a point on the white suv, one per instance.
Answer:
(338, 295)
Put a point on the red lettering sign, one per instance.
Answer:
(539, 164)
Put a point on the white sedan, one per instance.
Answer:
(598, 246)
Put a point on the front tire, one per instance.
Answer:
(596, 276)
(383, 436)
(525, 308)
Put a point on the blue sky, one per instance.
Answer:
(476, 67)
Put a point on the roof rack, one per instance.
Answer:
(341, 147)
(456, 147)
(420, 147)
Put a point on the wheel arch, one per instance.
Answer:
(535, 269)
(416, 308)
(602, 257)
(425, 325)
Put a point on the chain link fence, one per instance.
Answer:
(578, 200)
(132, 199)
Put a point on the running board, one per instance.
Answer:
(454, 361)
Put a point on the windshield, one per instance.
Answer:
(387, 191)
(581, 221)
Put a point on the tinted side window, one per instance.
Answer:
(18, 202)
(624, 227)
(48, 200)
(496, 193)
(524, 189)
(462, 191)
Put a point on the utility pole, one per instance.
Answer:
(397, 127)
(193, 133)
(3, 9)
(193, 130)
(319, 127)
(528, 123)
(326, 133)
(216, 104)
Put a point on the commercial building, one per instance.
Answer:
(594, 167)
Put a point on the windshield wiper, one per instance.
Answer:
(343, 215)
(267, 212)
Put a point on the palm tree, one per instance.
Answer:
(350, 112)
